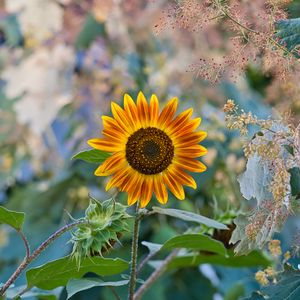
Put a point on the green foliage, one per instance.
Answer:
(295, 181)
(288, 32)
(36, 293)
(76, 285)
(92, 156)
(253, 259)
(287, 287)
(104, 223)
(90, 31)
(58, 272)
(11, 218)
(189, 216)
(195, 241)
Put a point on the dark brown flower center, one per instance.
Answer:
(149, 150)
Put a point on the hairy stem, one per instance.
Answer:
(26, 244)
(155, 275)
(134, 250)
(30, 257)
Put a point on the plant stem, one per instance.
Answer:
(26, 244)
(134, 250)
(29, 258)
(155, 275)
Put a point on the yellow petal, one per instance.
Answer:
(154, 110)
(111, 164)
(143, 110)
(121, 117)
(179, 121)
(190, 139)
(160, 190)
(182, 177)
(174, 186)
(147, 189)
(167, 113)
(106, 144)
(190, 164)
(131, 110)
(191, 152)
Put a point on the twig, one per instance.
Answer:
(26, 244)
(145, 260)
(115, 292)
(155, 275)
(29, 258)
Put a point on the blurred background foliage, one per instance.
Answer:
(62, 62)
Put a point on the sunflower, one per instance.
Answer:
(151, 150)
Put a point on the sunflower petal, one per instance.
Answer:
(180, 121)
(147, 189)
(143, 110)
(192, 151)
(106, 144)
(111, 164)
(135, 194)
(190, 164)
(182, 177)
(167, 113)
(110, 123)
(121, 117)
(174, 186)
(118, 178)
(188, 128)
(131, 110)
(190, 139)
(154, 110)
(160, 190)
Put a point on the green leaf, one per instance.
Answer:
(76, 285)
(288, 32)
(90, 31)
(195, 241)
(58, 272)
(289, 149)
(34, 293)
(11, 218)
(295, 181)
(189, 216)
(92, 156)
(254, 259)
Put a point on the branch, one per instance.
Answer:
(155, 275)
(29, 258)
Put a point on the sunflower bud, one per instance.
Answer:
(105, 222)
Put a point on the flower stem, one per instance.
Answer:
(30, 257)
(155, 275)
(134, 250)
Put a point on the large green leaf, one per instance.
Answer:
(189, 216)
(58, 272)
(195, 241)
(287, 287)
(288, 32)
(92, 156)
(11, 218)
(254, 259)
(76, 285)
